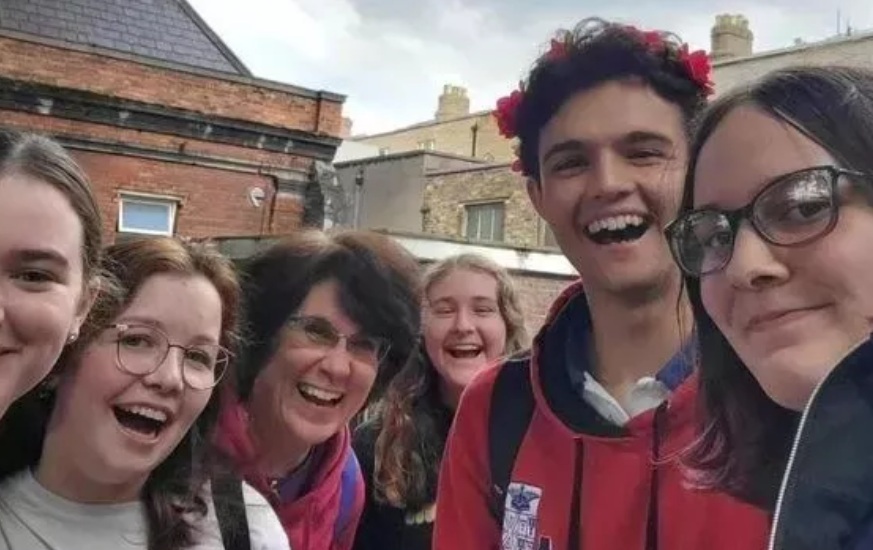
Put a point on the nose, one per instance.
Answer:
(609, 179)
(337, 363)
(753, 265)
(168, 376)
(463, 321)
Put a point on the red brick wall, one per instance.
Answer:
(537, 293)
(164, 142)
(212, 201)
(37, 62)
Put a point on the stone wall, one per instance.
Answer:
(447, 193)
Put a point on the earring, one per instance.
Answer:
(72, 337)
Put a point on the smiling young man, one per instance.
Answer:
(606, 400)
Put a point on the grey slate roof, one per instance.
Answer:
(169, 30)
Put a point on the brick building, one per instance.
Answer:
(175, 132)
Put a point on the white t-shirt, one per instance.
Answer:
(33, 518)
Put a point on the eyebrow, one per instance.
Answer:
(632, 138)
(153, 323)
(42, 255)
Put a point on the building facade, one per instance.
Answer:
(485, 204)
(176, 134)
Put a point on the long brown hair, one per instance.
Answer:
(172, 495)
(411, 441)
(747, 436)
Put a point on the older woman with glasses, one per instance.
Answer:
(329, 319)
(112, 451)
(773, 240)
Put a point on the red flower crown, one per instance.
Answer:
(696, 64)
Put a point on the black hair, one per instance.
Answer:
(595, 52)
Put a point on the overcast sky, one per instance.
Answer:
(392, 57)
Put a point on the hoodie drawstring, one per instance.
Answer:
(652, 524)
(574, 541)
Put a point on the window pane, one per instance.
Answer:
(486, 225)
(472, 223)
(485, 221)
(146, 216)
(497, 213)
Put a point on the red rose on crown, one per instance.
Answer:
(698, 67)
(557, 50)
(507, 113)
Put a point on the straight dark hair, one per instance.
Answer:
(746, 436)
(173, 494)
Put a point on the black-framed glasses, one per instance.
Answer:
(792, 210)
(318, 332)
(142, 349)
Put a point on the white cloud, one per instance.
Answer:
(391, 57)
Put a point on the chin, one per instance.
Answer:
(790, 380)
(313, 434)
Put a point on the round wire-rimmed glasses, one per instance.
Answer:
(792, 210)
(142, 349)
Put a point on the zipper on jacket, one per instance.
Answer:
(791, 458)
(653, 515)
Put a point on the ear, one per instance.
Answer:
(535, 192)
(86, 302)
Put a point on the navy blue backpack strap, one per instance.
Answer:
(348, 491)
(512, 406)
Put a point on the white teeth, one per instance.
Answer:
(466, 347)
(614, 223)
(148, 412)
(319, 393)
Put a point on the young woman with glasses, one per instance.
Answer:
(328, 318)
(111, 452)
(774, 243)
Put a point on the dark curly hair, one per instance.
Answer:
(379, 290)
(595, 52)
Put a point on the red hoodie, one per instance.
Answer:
(326, 516)
(623, 502)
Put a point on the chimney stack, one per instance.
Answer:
(346, 128)
(453, 103)
(731, 37)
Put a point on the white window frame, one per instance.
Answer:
(153, 200)
(480, 204)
